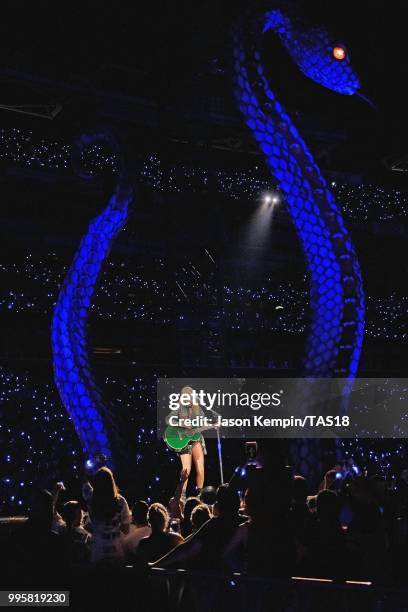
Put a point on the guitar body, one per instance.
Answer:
(177, 438)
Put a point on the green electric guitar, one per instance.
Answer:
(177, 438)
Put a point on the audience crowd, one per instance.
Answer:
(266, 524)
(363, 202)
(157, 292)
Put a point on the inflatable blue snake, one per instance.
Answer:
(336, 296)
(78, 389)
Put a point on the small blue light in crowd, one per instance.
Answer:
(338, 475)
(89, 464)
(355, 469)
(243, 472)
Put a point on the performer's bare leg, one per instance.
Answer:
(198, 458)
(186, 465)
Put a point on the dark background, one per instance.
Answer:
(160, 72)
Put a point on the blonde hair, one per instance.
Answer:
(158, 517)
(189, 391)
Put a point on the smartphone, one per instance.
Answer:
(251, 450)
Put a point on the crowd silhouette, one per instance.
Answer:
(266, 525)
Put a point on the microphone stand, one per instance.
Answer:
(219, 449)
(220, 456)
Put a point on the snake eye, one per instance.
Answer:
(339, 53)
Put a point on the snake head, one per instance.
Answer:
(317, 55)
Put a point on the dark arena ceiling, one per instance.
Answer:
(69, 62)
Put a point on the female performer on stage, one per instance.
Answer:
(194, 451)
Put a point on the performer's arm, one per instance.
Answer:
(180, 419)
